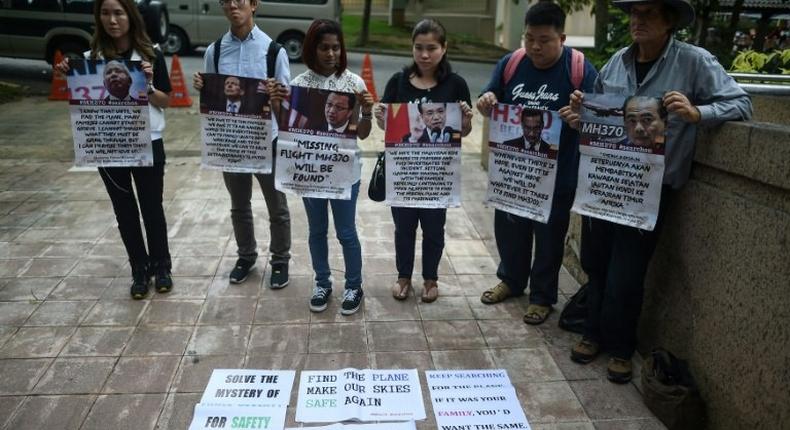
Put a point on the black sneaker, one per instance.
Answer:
(320, 299)
(352, 299)
(140, 282)
(241, 271)
(163, 280)
(279, 277)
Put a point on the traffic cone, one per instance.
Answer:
(60, 87)
(179, 97)
(367, 76)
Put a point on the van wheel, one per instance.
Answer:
(69, 49)
(157, 22)
(292, 42)
(176, 42)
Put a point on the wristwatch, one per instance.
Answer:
(151, 88)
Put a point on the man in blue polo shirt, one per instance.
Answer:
(542, 81)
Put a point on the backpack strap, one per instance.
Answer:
(217, 45)
(577, 69)
(271, 58)
(512, 64)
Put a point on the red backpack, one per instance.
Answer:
(577, 66)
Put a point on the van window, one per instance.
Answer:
(36, 5)
(79, 6)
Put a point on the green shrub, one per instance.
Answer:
(774, 63)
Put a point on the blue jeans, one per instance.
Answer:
(343, 214)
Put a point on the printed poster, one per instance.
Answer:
(245, 387)
(621, 168)
(362, 395)
(522, 165)
(317, 154)
(235, 124)
(108, 105)
(474, 400)
(423, 155)
(238, 417)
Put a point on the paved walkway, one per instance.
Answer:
(77, 353)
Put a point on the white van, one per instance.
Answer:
(196, 23)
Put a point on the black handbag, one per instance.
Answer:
(669, 391)
(574, 313)
(377, 188)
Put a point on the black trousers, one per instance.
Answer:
(432, 223)
(149, 183)
(615, 258)
(514, 236)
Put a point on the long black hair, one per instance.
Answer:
(432, 26)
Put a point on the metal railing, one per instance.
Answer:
(755, 83)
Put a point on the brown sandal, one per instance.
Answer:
(401, 288)
(496, 294)
(537, 314)
(430, 291)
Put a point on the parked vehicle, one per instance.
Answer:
(196, 23)
(36, 28)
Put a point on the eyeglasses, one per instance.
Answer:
(237, 3)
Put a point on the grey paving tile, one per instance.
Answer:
(24, 289)
(9, 404)
(337, 337)
(276, 361)
(100, 266)
(13, 268)
(6, 331)
(465, 248)
(287, 310)
(48, 267)
(223, 340)
(632, 424)
(574, 371)
(475, 285)
(125, 412)
(108, 249)
(158, 341)
(463, 359)
(220, 286)
(194, 371)
(52, 313)
(68, 249)
(278, 339)
(528, 364)
(402, 360)
(446, 308)
(115, 312)
(511, 309)
(178, 411)
(83, 375)
(337, 360)
(50, 412)
(510, 334)
(477, 265)
(549, 402)
(299, 287)
(142, 375)
(14, 250)
(396, 336)
(456, 334)
(81, 288)
(36, 342)
(227, 311)
(603, 400)
(172, 312)
(20, 376)
(195, 266)
(186, 288)
(97, 341)
(580, 425)
(386, 308)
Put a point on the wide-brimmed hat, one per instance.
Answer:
(684, 9)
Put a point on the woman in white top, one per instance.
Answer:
(324, 53)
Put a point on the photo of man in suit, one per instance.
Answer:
(233, 94)
(338, 110)
(434, 117)
(532, 128)
(117, 81)
(645, 120)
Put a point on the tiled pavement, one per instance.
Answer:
(77, 352)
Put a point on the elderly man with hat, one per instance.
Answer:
(696, 91)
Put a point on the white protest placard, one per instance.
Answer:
(245, 387)
(108, 105)
(363, 395)
(522, 165)
(621, 165)
(235, 124)
(449, 380)
(238, 417)
(423, 155)
(317, 152)
(404, 425)
(483, 409)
